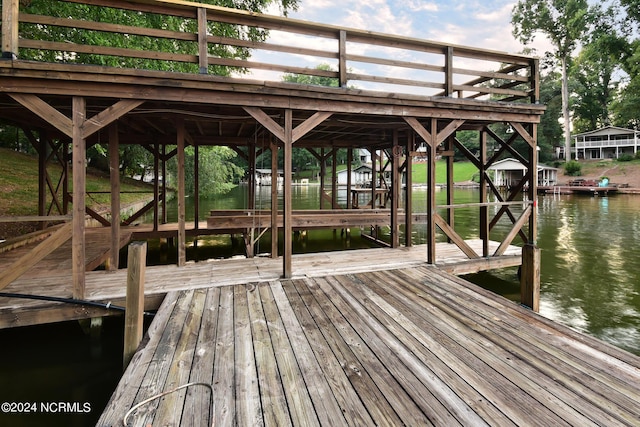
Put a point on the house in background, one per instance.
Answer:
(509, 172)
(606, 143)
(360, 176)
(263, 177)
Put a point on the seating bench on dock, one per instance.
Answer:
(412, 346)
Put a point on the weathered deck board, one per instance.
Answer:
(413, 346)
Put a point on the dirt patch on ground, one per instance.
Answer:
(10, 230)
(618, 172)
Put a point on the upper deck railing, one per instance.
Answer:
(200, 38)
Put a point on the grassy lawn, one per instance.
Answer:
(462, 171)
(19, 185)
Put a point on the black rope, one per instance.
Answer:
(106, 305)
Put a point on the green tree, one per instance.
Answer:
(626, 107)
(565, 23)
(217, 174)
(149, 20)
(593, 74)
(549, 130)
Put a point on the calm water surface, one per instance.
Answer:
(590, 281)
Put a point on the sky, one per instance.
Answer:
(477, 23)
(483, 24)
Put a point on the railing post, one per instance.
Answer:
(448, 70)
(342, 55)
(133, 322)
(10, 11)
(535, 81)
(203, 52)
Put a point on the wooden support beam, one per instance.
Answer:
(395, 190)
(114, 173)
(266, 121)
(504, 245)
(349, 180)
(156, 188)
(530, 277)
(28, 260)
(450, 184)
(46, 112)
(408, 199)
(79, 193)
(287, 206)
(334, 179)
(108, 116)
(305, 127)
(274, 198)
(484, 210)
(182, 244)
(455, 237)
(431, 194)
(134, 308)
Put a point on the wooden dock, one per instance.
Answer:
(53, 278)
(413, 346)
(577, 189)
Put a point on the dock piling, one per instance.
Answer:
(530, 277)
(133, 324)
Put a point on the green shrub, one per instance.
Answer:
(625, 157)
(573, 168)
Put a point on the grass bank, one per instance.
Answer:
(19, 185)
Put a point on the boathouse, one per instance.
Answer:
(392, 337)
(65, 108)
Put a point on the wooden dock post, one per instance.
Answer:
(530, 277)
(133, 325)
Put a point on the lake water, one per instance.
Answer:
(590, 281)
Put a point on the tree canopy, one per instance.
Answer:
(596, 56)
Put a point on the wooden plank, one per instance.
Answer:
(181, 363)
(300, 405)
(326, 406)
(275, 411)
(114, 179)
(247, 397)
(598, 394)
(182, 248)
(513, 390)
(31, 258)
(429, 344)
(10, 16)
(357, 373)
(125, 393)
(46, 112)
(397, 360)
(457, 240)
(223, 368)
(159, 367)
(287, 225)
(198, 409)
